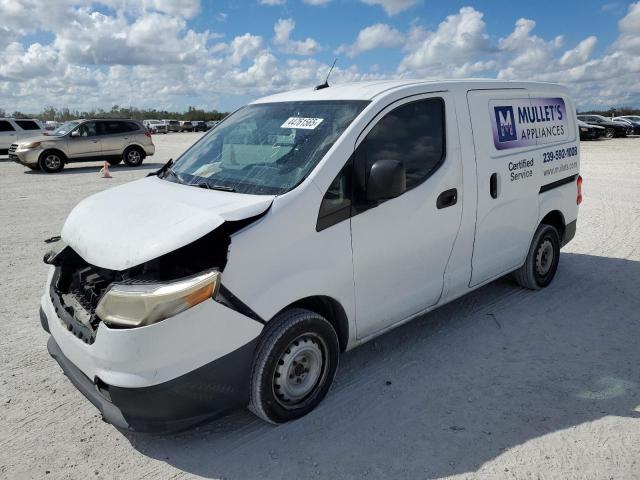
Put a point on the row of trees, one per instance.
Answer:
(64, 114)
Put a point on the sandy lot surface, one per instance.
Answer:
(503, 383)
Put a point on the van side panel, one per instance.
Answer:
(524, 139)
(458, 273)
(507, 206)
(281, 258)
(559, 163)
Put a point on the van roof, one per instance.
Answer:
(370, 90)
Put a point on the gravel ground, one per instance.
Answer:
(502, 383)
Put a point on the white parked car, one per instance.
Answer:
(155, 126)
(305, 224)
(15, 129)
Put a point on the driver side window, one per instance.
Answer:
(87, 129)
(413, 134)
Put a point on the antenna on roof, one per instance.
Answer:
(326, 81)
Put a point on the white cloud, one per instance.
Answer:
(457, 40)
(244, 46)
(392, 7)
(629, 26)
(145, 53)
(316, 3)
(529, 51)
(272, 3)
(283, 29)
(580, 54)
(374, 36)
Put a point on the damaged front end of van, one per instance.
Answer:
(135, 302)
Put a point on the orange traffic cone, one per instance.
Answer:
(105, 170)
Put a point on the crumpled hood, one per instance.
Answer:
(136, 222)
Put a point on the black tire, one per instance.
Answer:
(542, 260)
(51, 161)
(609, 132)
(294, 365)
(114, 161)
(133, 156)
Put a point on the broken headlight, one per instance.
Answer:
(139, 304)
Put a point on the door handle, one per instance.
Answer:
(448, 198)
(493, 185)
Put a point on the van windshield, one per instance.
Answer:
(265, 149)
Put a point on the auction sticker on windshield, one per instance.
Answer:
(523, 122)
(301, 122)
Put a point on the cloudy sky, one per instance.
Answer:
(220, 54)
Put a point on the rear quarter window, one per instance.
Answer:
(6, 126)
(28, 124)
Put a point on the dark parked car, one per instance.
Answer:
(632, 121)
(212, 123)
(186, 126)
(611, 129)
(199, 126)
(590, 132)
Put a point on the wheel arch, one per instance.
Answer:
(330, 309)
(136, 146)
(555, 218)
(56, 150)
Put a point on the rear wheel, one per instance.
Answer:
(133, 156)
(542, 260)
(609, 132)
(51, 161)
(294, 366)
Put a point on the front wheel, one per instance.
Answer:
(609, 132)
(133, 157)
(51, 162)
(542, 260)
(294, 366)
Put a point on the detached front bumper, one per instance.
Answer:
(172, 406)
(162, 377)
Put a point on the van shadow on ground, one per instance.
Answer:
(479, 376)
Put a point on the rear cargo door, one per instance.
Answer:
(507, 206)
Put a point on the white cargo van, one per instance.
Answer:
(305, 224)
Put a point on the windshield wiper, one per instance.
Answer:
(224, 188)
(175, 174)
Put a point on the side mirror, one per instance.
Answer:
(387, 179)
(75, 133)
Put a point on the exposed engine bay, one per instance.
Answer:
(77, 286)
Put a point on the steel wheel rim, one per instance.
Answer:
(52, 161)
(134, 156)
(545, 257)
(300, 369)
(609, 133)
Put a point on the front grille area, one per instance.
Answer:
(13, 148)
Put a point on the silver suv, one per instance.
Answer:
(112, 140)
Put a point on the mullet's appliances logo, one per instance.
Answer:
(522, 122)
(506, 124)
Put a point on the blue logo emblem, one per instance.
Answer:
(505, 122)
